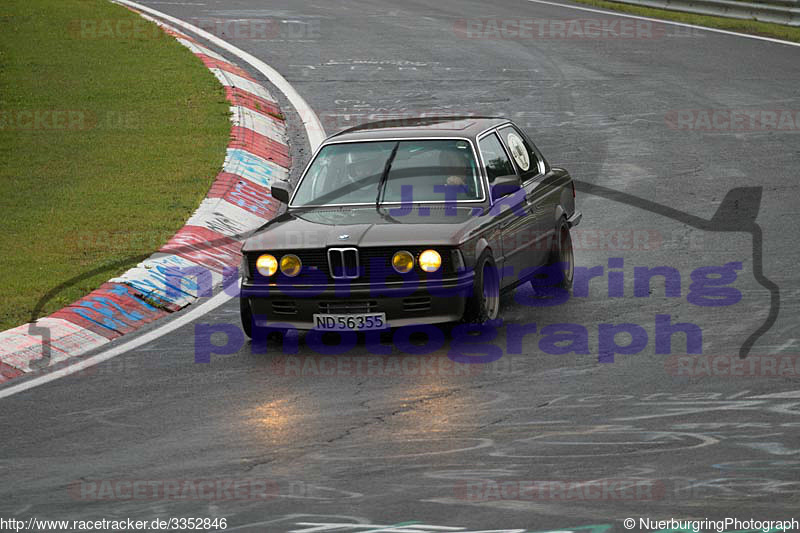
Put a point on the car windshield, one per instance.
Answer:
(418, 170)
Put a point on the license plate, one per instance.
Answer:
(357, 322)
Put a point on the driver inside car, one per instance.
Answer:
(455, 167)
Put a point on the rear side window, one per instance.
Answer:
(495, 158)
(524, 156)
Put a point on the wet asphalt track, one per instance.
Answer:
(394, 449)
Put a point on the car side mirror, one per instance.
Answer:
(505, 185)
(281, 191)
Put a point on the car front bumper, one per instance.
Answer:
(405, 304)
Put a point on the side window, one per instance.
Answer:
(523, 154)
(495, 158)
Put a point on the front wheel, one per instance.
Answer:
(253, 331)
(246, 314)
(483, 305)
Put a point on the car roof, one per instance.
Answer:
(419, 127)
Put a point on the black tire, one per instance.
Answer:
(246, 313)
(483, 305)
(562, 252)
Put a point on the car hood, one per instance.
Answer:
(364, 226)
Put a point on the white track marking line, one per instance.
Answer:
(316, 134)
(670, 22)
(120, 349)
(314, 129)
(783, 347)
(790, 395)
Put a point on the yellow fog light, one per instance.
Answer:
(266, 265)
(430, 260)
(403, 261)
(290, 265)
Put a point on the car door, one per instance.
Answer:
(530, 165)
(511, 211)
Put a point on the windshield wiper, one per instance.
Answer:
(341, 191)
(386, 169)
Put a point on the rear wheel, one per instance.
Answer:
(562, 254)
(483, 304)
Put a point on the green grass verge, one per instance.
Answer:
(138, 134)
(766, 29)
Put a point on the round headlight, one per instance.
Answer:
(266, 265)
(402, 261)
(290, 265)
(430, 260)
